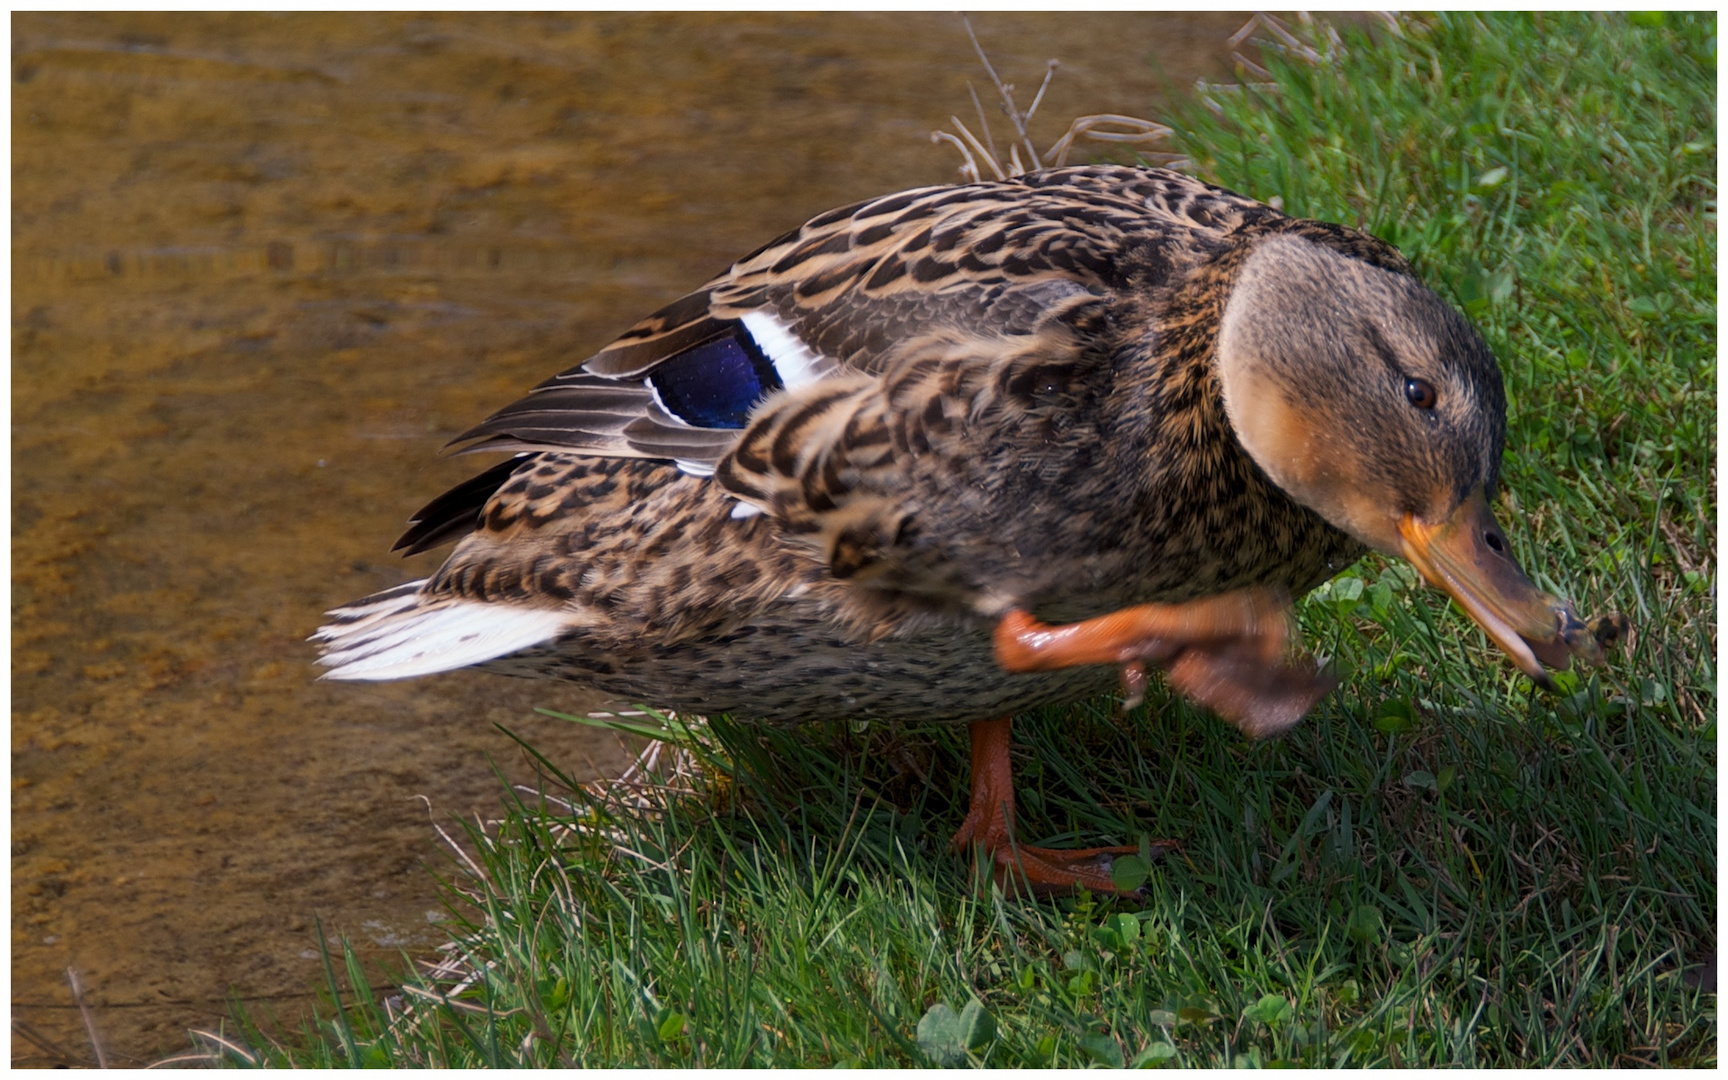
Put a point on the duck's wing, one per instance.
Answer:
(843, 292)
(850, 293)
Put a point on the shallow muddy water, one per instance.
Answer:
(264, 266)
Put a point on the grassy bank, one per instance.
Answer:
(1440, 866)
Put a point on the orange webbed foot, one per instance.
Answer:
(1227, 652)
(989, 828)
(1059, 871)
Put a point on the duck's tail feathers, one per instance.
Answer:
(399, 633)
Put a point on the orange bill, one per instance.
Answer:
(1467, 555)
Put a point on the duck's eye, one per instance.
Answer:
(1419, 392)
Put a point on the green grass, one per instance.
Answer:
(1440, 866)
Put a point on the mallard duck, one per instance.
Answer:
(960, 451)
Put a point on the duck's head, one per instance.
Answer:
(1366, 398)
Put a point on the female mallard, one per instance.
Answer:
(864, 471)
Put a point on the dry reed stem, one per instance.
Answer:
(89, 1019)
(227, 1044)
(30, 1034)
(1023, 155)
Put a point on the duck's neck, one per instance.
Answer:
(1202, 501)
(1169, 391)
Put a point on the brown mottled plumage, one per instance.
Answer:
(816, 487)
(990, 383)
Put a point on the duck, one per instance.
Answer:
(961, 451)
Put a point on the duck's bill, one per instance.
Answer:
(1466, 555)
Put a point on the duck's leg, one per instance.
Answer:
(989, 826)
(1225, 652)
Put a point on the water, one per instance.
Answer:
(264, 266)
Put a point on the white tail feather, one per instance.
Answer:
(398, 634)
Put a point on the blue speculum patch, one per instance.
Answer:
(717, 383)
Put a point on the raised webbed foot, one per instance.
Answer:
(1226, 652)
